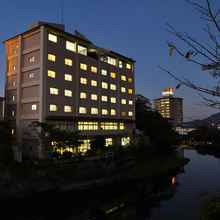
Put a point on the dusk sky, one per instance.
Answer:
(133, 28)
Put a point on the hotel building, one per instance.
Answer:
(63, 78)
(170, 107)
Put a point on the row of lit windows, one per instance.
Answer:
(93, 110)
(71, 46)
(55, 91)
(92, 126)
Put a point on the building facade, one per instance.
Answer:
(170, 107)
(2, 108)
(62, 78)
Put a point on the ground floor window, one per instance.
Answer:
(108, 142)
(125, 141)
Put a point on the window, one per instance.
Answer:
(31, 75)
(51, 74)
(113, 112)
(34, 107)
(123, 101)
(123, 78)
(94, 111)
(82, 50)
(130, 80)
(51, 57)
(82, 110)
(104, 112)
(68, 93)
(113, 100)
(111, 60)
(31, 59)
(82, 95)
(94, 69)
(83, 66)
(12, 131)
(53, 108)
(121, 126)
(130, 114)
(13, 113)
(104, 72)
(112, 86)
(67, 108)
(13, 98)
(120, 64)
(123, 113)
(125, 141)
(68, 77)
(113, 75)
(94, 97)
(128, 66)
(87, 126)
(93, 83)
(52, 37)
(109, 125)
(108, 142)
(130, 91)
(104, 98)
(83, 80)
(130, 102)
(104, 85)
(71, 46)
(123, 89)
(54, 91)
(68, 62)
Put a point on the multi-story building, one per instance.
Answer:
(63, 78)
(170, 107)
(143, 99)
(2, 108)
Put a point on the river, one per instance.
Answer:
(174, 196)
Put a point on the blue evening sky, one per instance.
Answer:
(135, 28)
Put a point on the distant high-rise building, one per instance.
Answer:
(170, 107)
(63, 78)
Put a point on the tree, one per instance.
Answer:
(98, 145)
(206, 55)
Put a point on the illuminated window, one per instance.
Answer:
(130, 80)
(68, 77)
(67, 108)
(130, 114)
(82, 95)
(123, 101)
(109, 125)
(68, 93)
(53, 108)
(123, 78)
(83, 66)
(94, 69)
(123, 89)
(82, 110)
(112, 86)
(83, 80)
(31, 75)
(104, 72)
(113, 100)
(13, 98)
(51, 74)
(51, 57)
(125, 141)
(54, 91)
(120, 64)
(94, 111)
(104, 112)
(111, 61)
(87, 126)
(52, 37)
(13, 113)
(121, 126)
(128, 66)
(123, 113)
(68, 62)
(130, 91)
(31, 59)
(82, 50)
(104, 98)
(108, 142)
(113, 75)
(94, 97)
(93, 83)
(12, 131)
(104, 85)
(34, 107)
(113, 112)
(130, 102)
(71, 46)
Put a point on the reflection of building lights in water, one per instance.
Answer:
(173, 180)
